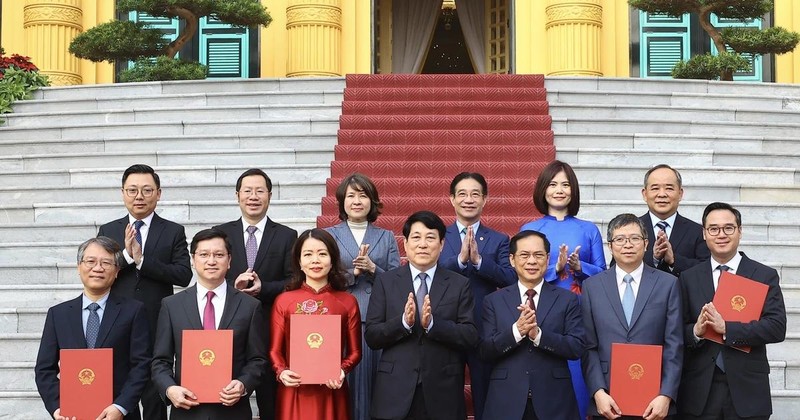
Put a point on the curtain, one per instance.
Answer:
(470, 15)
(413, 23)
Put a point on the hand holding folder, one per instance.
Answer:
(737, 299)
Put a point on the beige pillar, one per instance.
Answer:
(50, 25)
(574, 29)
(315, 38)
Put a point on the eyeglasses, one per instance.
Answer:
(715, 230)
(247, 192)
(622, 240)
(207, 255)
(526, 256)
(92, 263)
(133, 192)
(473, 195)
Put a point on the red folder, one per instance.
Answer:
(207, 362)
(635, 376)
(87, 382)
(315, 347)
(737, 299)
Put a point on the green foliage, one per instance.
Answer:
(164, 68)
(733, 9)
(235, 12)
(18, 84)
(117, 40)
(710, 67)
(754, 41)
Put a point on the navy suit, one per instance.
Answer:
(435, 358)
(688, 245)
(656, 320)
(747, 373)
(242, 314)
(123, 328)
(495, 272)
(522, 367)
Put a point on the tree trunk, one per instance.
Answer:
(716, 36)
(185, 35)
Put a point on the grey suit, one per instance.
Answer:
(656, 320)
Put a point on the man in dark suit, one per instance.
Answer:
(636, 304)
(480, 254)
(424, 337)
(530, 330)
(211, 300)
(720, 382)
(677, 241)
(98, 318)
(155, 257)
(260, 259)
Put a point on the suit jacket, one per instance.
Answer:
(435, 358)
(748, 373)
(519, 367)
(166, 264)
(656, 320)
(243, 315)
(123, 328)
(687, 241)
(495, 271)
(382, 251)
(273, 261)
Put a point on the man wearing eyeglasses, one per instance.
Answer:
(260, 258)
(155, 257)
(479, 253)
(721, 382)
(98, 318)
(636, 304)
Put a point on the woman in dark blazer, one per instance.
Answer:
(366, 250)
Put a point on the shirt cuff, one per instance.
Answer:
(121, 410)
(405, 325)
(430, 325)
(478, 265)
(127, 256)
(538, 338)
(517, 335)
(461, 266)
(141, 263)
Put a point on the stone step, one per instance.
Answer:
(731, 102)
(25, 405)
(297, 126)
(671, 142)
(184, 87)
(21, 347)
(124, 145)
(786, 350)
(654, 86)
(17, 376)
(331, 97)
(170, 175)
(697, 175)
(161, 114)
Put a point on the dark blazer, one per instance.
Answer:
(242, 314)
(656, 320)
(166, 264)
(687, 242)
(273, 261)
(382, 251)
(747, 373)
(519, 367)
(436, 357)
(496, 270)
(123, 328)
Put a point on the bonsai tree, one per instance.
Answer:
(129, 41)
(740, 40)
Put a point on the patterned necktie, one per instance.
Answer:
(719, 362)
(251, 248)
(628, 300)
(209, 323)
(531, 294)
(463, 234)
(92, 325)
(138, 226)
(422, 290)
(662, 225)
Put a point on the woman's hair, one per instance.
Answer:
(548, 173)
(336, 277)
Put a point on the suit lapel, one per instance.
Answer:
(648, 224)
(512, 298)
(371, 237)
(75, 321)
(746, 268)
(438, 287)
(481, 237)
(232, 301)
(646, 286)
(190, 308)
(546, 300)
(609, 282)
(266, 239)
(153, 235)
(237, 246)
(678, 231)
(109, 318)
(349, 247)
(452, 239)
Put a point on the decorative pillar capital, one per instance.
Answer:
(50, 26)
(574, 28)
(315, 37)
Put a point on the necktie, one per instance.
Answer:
(422, 290)
(251, 248)
(92, 325)
(628, 300)
(719, 361)
(722, 268)
(662, 225)
(208, 314)
(138, 226)
(463, 234)
(531, 293)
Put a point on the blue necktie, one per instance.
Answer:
(138, 226)
(628, 300)
(92, 325)
(422, 290)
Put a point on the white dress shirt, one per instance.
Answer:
(461, 228)
(523, 297)
(733, 266)
(259, 231)
(415, 277)
(143, 231)
(637, 280)
(218, 301)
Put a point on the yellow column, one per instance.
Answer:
(787, 66)
(315, 38)
(50, 25)
(574, 30)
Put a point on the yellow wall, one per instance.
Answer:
(787, 66)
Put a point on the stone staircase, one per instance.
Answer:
(62, 156)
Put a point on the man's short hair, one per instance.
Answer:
(512, 245)
(469, 175)
(207, 234)
(250, 172)
(722, 206)
(141, 169)
(663, 166)
(625, 219)
(427, 218)
(543, 181)
(109, 245)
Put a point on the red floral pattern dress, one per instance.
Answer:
(314, 401)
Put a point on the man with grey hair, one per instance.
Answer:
(98, 319)
(677, 243)
(645, 308)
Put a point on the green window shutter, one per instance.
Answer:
(168, 27)
(224, 49)
(663, 41)
(756, 75)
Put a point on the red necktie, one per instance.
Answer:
(208, 314)
(531, 293)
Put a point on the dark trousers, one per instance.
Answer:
(418, 410)
(153, 407)
(265, 397)
(479, 372)
(719, 405)
(529, 414)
